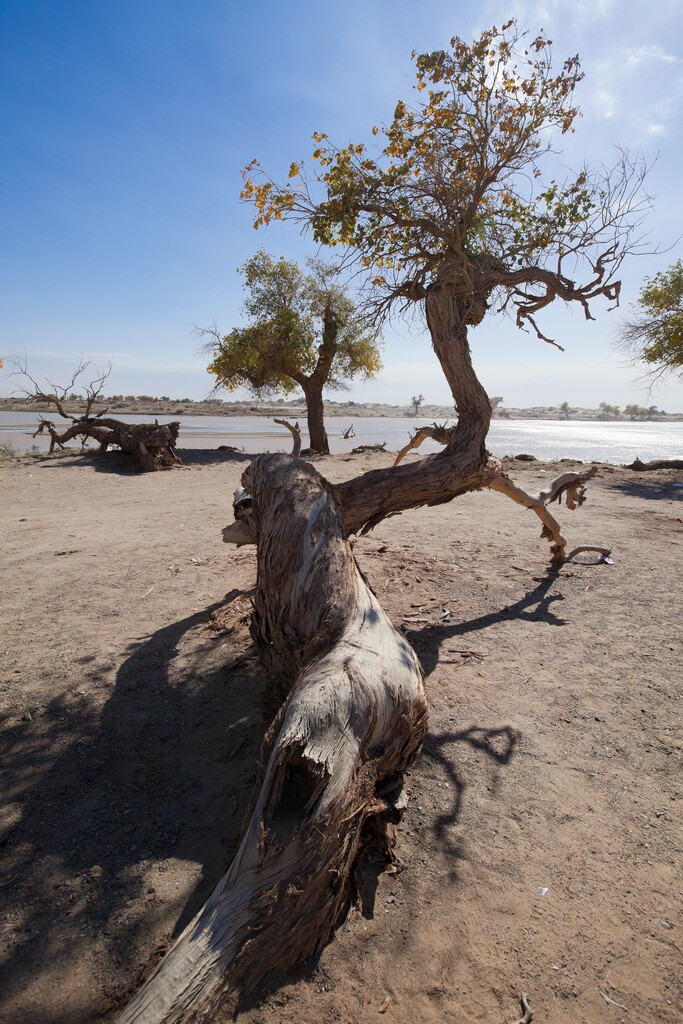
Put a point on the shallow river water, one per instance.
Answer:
(588, 440)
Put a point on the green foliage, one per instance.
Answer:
(456, 190)
(639, 412)
(654, 334)
(608, 412)
(304, 329)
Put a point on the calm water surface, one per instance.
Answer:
(546, 439)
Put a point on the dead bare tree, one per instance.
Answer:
(150, 445)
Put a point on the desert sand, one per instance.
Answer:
(540, 851)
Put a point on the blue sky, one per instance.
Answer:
(126, 125)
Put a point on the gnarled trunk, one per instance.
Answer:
(354, 711)
(464, 464)
(448, 322)
(352, 722)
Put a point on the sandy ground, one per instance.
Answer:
(541, 848)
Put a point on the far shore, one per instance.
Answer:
(146, 405)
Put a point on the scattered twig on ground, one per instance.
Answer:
(528, 1013)
(467, 656)
(612, 1001)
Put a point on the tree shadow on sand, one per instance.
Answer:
(163, 773)
(649, 490)
(118, 463)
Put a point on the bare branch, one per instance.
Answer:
(31, 390)
(295, 431)
(436, 432)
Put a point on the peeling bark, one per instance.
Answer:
(352, 721)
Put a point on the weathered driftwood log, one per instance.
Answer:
(150, 445)
(363, 449)
(352, 722)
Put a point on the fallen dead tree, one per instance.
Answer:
(150, 445)
(641, 467)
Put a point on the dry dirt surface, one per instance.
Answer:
(541, 848)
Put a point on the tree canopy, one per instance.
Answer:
(458, 189)
(302, 326)
(304, 330)
(654, 333)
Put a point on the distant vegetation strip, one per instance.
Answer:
(148, 405)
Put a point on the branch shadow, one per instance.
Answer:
(162, 774)
(534, 606)
(649, 490)
(498, 744)
(214, 456)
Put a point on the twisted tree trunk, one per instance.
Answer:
(354, 711)
(353, 719)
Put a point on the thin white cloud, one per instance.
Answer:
(606, 103)
(545, 12)
(641, 54)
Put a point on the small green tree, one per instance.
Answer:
(566, 409)
(304, 331)
(495, 401)
(608, 412)
(654, 333)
